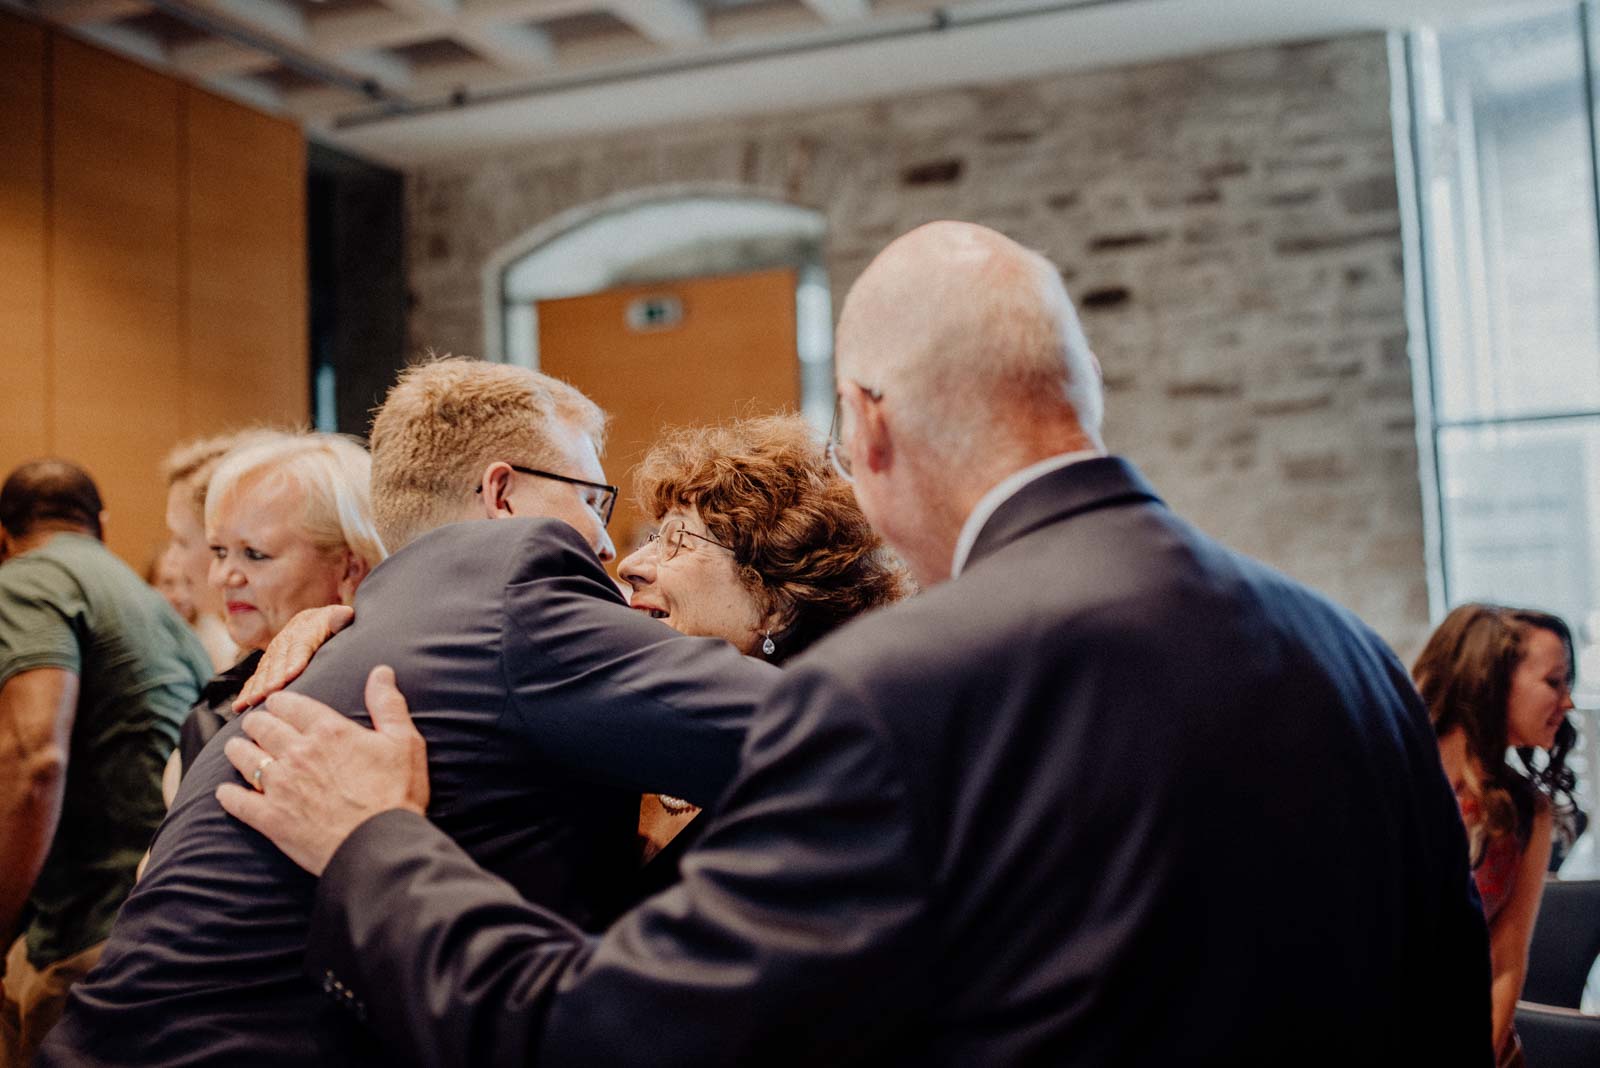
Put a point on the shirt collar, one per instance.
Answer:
(1003, 491)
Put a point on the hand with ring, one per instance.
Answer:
(255, 776)
(329, 774)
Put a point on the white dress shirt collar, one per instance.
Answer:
(1003, 491)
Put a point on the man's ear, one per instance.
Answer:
(355, 569)
(875, 439)
(494, 488)
(104, 518)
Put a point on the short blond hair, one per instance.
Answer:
(192, 463)
(446, 419)
(333, 474)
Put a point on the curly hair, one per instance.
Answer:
(764, 488)
(1464, 674)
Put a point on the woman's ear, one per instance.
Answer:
(778, 618)
(355, 570)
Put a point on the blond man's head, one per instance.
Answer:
(446, 419)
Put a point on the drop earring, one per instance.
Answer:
(768, 646)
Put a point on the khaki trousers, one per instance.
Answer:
(31, 1000)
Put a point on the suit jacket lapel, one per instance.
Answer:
(1059, 495)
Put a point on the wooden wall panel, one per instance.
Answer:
(116, 315)
(24, 425)
(246, 331)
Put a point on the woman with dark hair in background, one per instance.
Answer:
(1493, 679)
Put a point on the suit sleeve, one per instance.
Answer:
(796, 935)
(613, 695)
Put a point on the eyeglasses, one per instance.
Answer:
(836, 454)
(602, 505)
(669, 539)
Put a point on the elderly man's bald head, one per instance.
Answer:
(974, 331)
(971, 366)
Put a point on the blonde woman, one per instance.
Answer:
(288, 523)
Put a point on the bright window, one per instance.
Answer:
(1503, 135)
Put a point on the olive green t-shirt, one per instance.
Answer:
(72, 604)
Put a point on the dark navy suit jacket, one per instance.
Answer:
(547, 706)
(1114, 796)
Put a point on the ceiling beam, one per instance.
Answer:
(355, 31)
(274, 18)
(518, 48)
(214, 57)
(388, 70)
(132, 43)
(425, 9)
(840, 10)
(251, 91)
(499, 12)
(672, 23)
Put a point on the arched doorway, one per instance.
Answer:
(670, 307)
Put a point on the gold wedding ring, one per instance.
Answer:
(255, 778)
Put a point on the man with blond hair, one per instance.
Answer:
(547, 705)
(1105, 794)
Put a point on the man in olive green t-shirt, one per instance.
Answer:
(96, 674)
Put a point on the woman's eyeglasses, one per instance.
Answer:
(669, 539)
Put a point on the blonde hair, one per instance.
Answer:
(193, 462)
(446, 419)
(334, 474)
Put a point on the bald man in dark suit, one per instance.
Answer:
(1108, 793)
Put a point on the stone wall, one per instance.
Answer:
(1228, 224)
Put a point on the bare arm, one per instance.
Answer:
(37, 709)
(1513, 928)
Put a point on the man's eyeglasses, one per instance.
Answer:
(669, 539)
(836, 454)
(601, 504)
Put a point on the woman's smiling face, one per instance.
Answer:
(687, 580)
(1541, 691)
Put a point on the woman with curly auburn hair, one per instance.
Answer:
(1493, 679)
(760, 543)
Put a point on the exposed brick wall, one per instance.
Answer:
(1227, 223)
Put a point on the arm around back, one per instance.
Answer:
(611, 694)
(797, 936)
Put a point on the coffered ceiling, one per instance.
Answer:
(403, 80)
